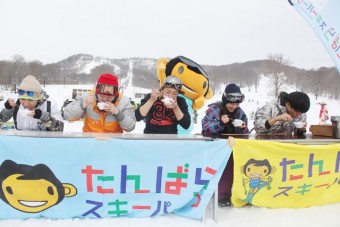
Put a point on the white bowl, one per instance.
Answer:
(25, 112)
(101, 105)
(299, 124)
(167, 100)
(237, 123)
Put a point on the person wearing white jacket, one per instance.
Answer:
(34, 109)
(279, 115)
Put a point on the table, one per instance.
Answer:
(307, 138)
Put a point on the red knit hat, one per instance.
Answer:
(105, 81)
(108, 79)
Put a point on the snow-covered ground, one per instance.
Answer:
(326, 215)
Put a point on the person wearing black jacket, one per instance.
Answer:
(163, 109)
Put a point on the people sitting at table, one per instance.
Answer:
(221, 118)
(104, 108)
(163, 109)
(279, 115)
(34, 109)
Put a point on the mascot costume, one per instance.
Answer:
(195, 83)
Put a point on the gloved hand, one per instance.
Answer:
(35, 113)
(10, 104)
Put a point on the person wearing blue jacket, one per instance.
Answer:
(219, 120)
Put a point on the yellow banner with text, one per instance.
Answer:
(274, 174)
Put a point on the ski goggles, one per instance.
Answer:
(32, 95)
(234, 97)
(28, 93)
(106, 89)
(193, 66)
(176, 86)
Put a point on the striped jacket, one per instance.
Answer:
(212, 124)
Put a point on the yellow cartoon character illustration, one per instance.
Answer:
(31, 189)
(257, 173)
(195, 79)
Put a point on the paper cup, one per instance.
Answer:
(101, 105)
(24, 112)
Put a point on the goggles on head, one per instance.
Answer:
(177, 86)
(193, 65)
(28, 93)
(234, 97)
(106, 89)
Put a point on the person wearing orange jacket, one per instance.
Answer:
(104, 108)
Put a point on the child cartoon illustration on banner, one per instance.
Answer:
(195, 80)
(257, 176)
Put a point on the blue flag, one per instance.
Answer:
(323, 17)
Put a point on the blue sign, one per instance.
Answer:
(89, 178)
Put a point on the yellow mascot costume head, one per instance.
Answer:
(195, 79)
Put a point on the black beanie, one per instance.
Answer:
(230, 88)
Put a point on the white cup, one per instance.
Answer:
(25, 117)
(237, 123)
(299, 124)
(101, 105)
(24, 112)
(167, 100)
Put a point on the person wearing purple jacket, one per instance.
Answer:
(218, 120)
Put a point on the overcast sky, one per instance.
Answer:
(213, 32)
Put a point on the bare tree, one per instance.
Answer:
(53, 72)
(20, 68)
(275, 70)
(36, 69)
(6, 72)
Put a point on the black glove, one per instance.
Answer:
(7, 106)
(37, 113)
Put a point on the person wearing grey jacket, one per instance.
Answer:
(34, 109)
(104, 109)
(279, 115)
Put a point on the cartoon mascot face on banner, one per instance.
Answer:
(195, 79)
(31, 189)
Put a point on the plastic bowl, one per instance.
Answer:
(299, 124)
(167, 100)
(237, 123)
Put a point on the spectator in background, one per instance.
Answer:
(163, 109)
(279, 115)
(104, 108)
(34, 109)
(220, 119)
